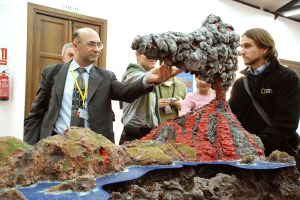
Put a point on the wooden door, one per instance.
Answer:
(49, 35)
(48, 30)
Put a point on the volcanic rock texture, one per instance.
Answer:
(62, 157)
(209, 52)
(212, 131)
(211, 182)
(81, 155)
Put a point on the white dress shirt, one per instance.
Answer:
(64, 116)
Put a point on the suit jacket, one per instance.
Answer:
(103, 87)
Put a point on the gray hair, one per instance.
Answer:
(66, 46)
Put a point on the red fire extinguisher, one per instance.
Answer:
(4, 86)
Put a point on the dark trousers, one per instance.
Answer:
(297, 158)
(132, 133)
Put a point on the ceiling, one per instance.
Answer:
(276, 7)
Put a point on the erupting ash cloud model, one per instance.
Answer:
(209, 52)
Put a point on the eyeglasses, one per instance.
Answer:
(93, 44)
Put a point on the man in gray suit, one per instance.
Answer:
(46, 119)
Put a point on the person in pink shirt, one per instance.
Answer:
(203, 95)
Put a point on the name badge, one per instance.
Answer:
(83, 114)
(266, 91)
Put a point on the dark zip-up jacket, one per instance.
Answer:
(277, 90)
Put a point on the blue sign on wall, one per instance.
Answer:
(187, 79)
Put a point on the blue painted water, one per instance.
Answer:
(37, 191)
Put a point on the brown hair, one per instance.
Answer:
(263, 39)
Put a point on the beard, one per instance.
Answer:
(256, 62)
(251, 61)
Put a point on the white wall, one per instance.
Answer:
(126, 19)
(13, 32)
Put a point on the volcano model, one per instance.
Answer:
(210, 52)
(213, 131)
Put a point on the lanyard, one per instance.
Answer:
(77, 85)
